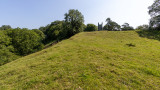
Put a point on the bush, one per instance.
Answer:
(91, 27)
(126, 27)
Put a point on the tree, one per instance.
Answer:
(25, 41)
(6, 49)
(73, 22)
(44, 28)
(154, 11)
(54, 31)
(111, 25)
(5, 27)
(126, 27)
(91, 27)
(40, 33)
(18, 42)
(143, 27)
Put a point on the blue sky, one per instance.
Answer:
(35, 13)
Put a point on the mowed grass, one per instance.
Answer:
(88, 60)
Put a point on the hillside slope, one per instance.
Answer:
(88, 60)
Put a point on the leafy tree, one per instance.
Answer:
(40, 33)
(154, 11)
(91, 27)
(73, 22)
(84, 26)
(126, 27)
(17, 42)
(25, 41)
(143, 27)
(44, 29)
(6, 49)
(5, 27)
(54, 31)
(111, 25)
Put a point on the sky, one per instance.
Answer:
(36, 13)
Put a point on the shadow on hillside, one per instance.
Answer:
(150, 34)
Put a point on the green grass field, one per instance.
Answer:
(89, 60)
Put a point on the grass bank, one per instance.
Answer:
(89, 60)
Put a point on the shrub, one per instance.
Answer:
(91, 27)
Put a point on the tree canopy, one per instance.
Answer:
(73, 22)
(54, 30)
(6, 49)
(26, 41)
(5, 27)
(91, 27)
(126, 27)
(154, 11)
(111, 25)
(18, 42)
(143, 27)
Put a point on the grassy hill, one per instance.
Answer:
(89, 60)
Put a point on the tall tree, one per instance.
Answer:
(111, 25)
(154, 11)
(54, 31)
(73, 22)
(126, 27)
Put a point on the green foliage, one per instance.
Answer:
(54, 31)
(6, 49)
(5, 27)
(154, 10)
(58, 30)
(40, 33)
(111, 25)
(143, 27)
(151, 34)
(6, 55)
(73, 22)
(26, 41)
(91, 27)
(17, 42)
(126, 27)
(44, 29)
(4, 39)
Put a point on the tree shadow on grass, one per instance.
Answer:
(150, 34)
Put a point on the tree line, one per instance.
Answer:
(17, 42)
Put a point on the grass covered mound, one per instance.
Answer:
(89, 60)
